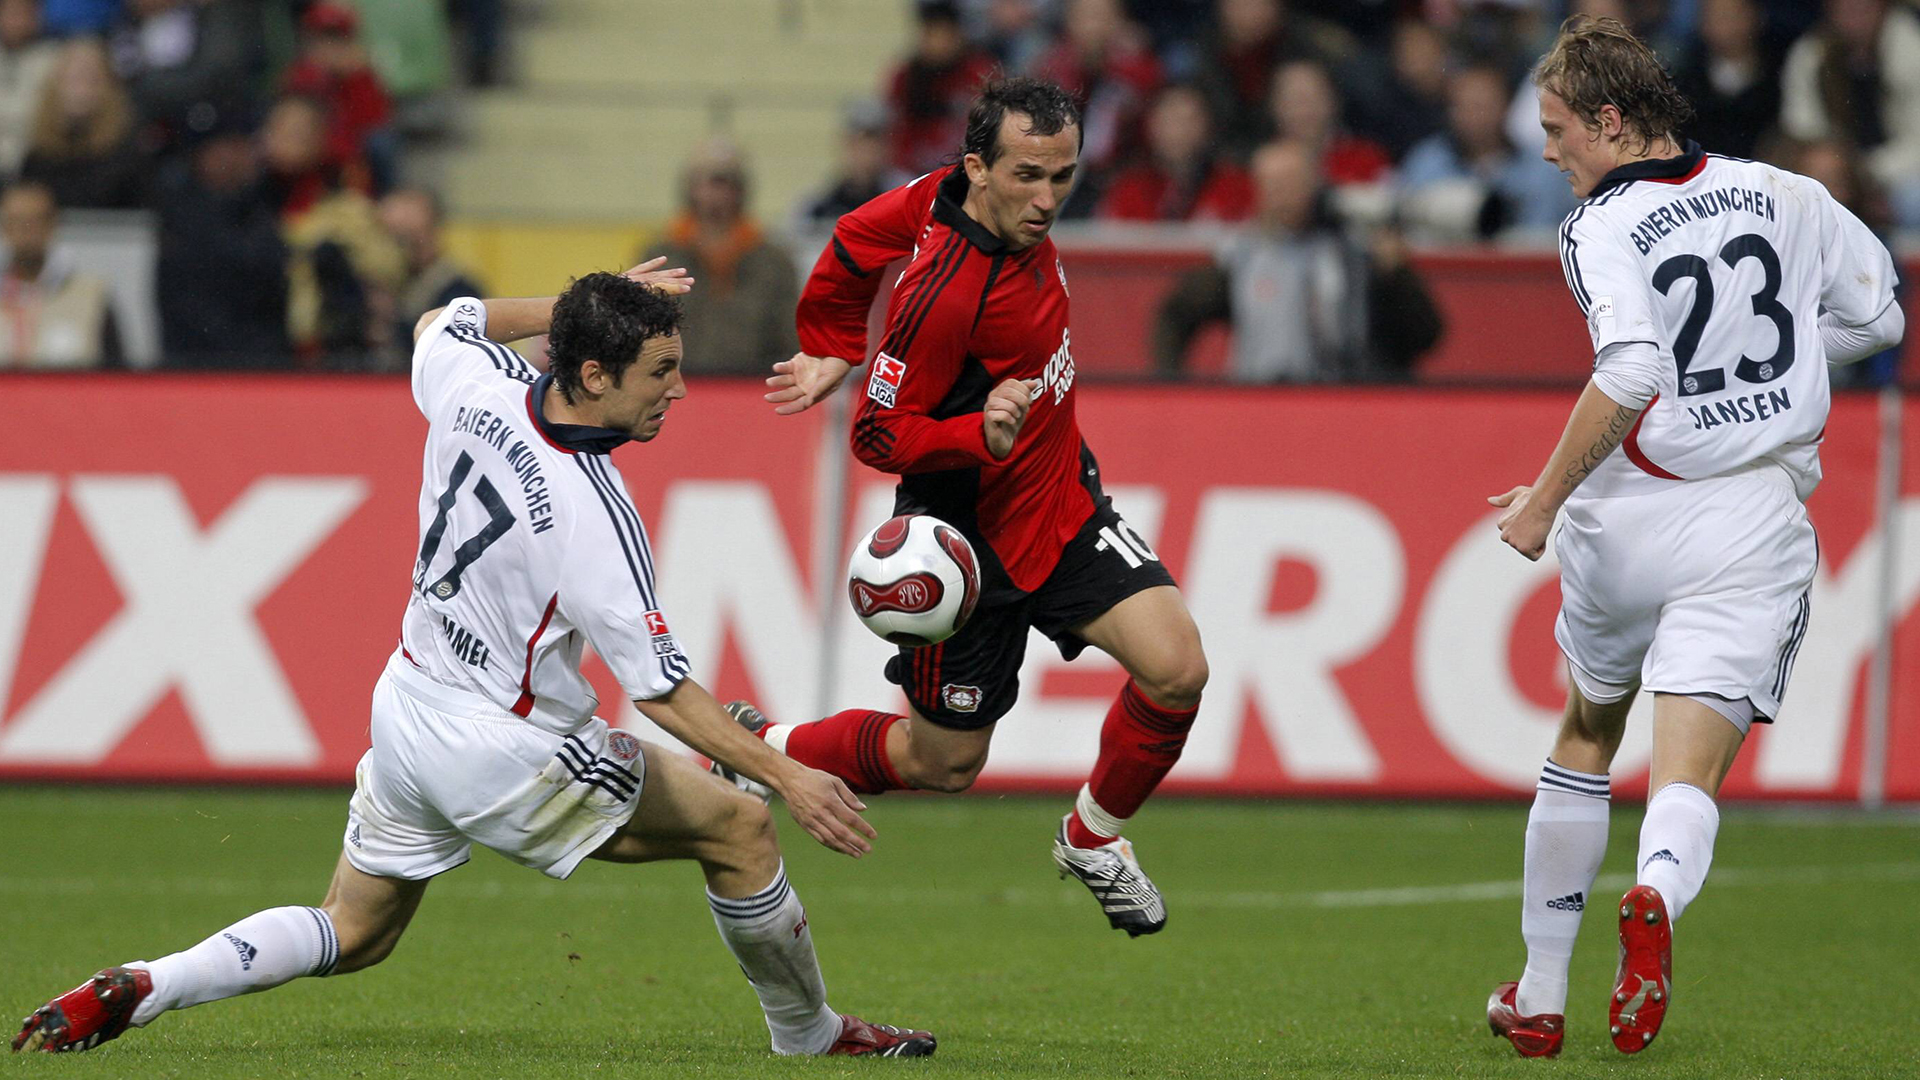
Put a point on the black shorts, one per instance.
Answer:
(972, 679)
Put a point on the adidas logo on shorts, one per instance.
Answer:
(1572, 902)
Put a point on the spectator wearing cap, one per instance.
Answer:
(83, 139)
(1732, 78)
(748, 284)
(188, 62)
(929, 93)
(222, 271)
(413, 217)
(1306, 305)
(51, 315)
(26, 63)
(1103, 61)
(1856, 77)
(333, 69)
(863, 172)
(1181, 177)
(1469, 181)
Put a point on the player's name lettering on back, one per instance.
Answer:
(1662, 221)
(492, 430)
(466, 644)
(1748, 409)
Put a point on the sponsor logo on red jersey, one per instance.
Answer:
(884, 385)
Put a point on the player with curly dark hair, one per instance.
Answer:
(482, 726)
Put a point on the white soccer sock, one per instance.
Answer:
(1566, 841)
(767, 933)
(776, 736)
(257, 953)
(1676, 844)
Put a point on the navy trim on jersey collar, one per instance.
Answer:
(573, 438)
(948, 210)
(1673, 168)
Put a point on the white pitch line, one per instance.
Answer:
(1734, 877)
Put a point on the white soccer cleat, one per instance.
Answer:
(1113, 875)
(753, 720)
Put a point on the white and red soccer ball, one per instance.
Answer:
(914, 580)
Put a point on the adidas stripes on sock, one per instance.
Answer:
(1566, 840)
(767, 933)
(257, 953)
(1676, 844)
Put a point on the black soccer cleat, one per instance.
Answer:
(1110, 871)
(753, 720)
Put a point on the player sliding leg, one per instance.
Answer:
(1155, 640)
(1566, 841)
(681, 814)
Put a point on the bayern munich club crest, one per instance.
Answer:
(622, 746)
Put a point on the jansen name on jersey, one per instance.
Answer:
(1724, 266)
(530, 546)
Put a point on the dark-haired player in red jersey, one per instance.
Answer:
(970, 401)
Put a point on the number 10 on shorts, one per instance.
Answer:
(1120, 537)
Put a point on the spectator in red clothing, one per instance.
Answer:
(293, 147)
(929, 93)
(1305, 107)
(1182, 178)
(332, 68)
(1103, 61)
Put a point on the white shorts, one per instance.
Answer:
(1699, 589)
(449, 769)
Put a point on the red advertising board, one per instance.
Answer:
(201, 577)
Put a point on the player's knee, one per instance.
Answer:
(950, 776)
(1177, 684)
(746, 836)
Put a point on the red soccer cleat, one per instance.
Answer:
(87, 1015)
(1643, 984)
(882, 1040)
(1533, 1036)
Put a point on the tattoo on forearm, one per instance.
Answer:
(1617, 427)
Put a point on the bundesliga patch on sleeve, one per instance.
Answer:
(884, 385)
(663, 643)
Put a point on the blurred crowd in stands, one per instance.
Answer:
(265, 137)
(1308, 141)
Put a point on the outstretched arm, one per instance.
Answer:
(820, 802)
(510, 319)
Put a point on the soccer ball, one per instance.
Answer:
(914, 580)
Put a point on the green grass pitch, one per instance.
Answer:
(1306, 939)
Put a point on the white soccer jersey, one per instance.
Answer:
(1725, 266)
(529, 544)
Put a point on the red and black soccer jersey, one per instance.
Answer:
(967, 314)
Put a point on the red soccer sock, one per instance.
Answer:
(851, 745)
(1139, 743)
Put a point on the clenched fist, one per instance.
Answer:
(1005, 413)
